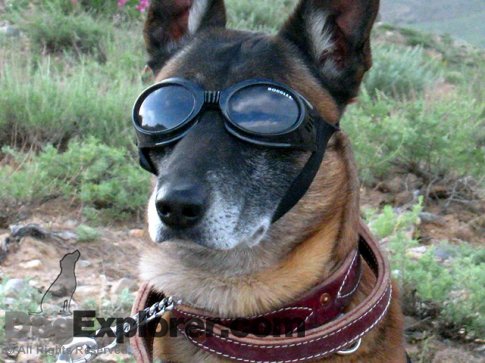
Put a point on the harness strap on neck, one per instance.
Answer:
(302, 182)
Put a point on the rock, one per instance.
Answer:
(67, 236)
(86, 292)
(416, 253)
(395, 185)
(455, 356)
(29, 357)
(121, 284)
(9, 31)
(137, 233)
(114, 358)
(404, 197)
(84, 263)
(431, 218)
(10, 301)
(13, 287)
(413, 182)
(443, 254)
(31, 264)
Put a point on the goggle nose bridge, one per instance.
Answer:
(212, 97)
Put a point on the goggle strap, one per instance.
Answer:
(302, 182)
(145, 162)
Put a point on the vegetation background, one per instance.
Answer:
(70, 71)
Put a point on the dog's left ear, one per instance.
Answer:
(335, 36)
(170, 23)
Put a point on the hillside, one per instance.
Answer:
(463, 19)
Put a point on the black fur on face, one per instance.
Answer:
(241, 184)
(244, 182)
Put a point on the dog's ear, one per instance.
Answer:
(170, 23)
(335, 36)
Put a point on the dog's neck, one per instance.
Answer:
(248, 281)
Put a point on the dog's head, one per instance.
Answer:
(212, 189)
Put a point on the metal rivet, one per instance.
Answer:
(325, 298)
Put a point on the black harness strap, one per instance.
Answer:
(302, 182)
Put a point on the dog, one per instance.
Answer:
(64, 285)
(220, 250)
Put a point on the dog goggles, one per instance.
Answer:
(261, 112)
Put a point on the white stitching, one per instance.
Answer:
(251, 317)
(353, 290)
(306, 342)
(345, 279)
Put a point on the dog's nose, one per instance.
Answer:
(181, 206)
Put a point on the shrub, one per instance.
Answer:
(51, 28)
(106, 180)
(432, 138)
(400, 72)
(43, 104)
(452, 288)
(258, 15)
(86, 233)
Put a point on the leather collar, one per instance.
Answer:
(315, 323)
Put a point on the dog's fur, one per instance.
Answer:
(235, 263)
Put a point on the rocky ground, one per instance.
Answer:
(107, 267)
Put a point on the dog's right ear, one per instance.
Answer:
(170, 23)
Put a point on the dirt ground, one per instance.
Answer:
(110, 263)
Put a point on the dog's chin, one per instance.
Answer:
(165, 237)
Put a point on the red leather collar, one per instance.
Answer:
(247, 339)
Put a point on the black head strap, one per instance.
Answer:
(302, 182)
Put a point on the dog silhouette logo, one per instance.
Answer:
(57, 298)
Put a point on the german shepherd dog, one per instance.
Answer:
(218, 249)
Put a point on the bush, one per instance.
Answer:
(52, 28)
(450, 288)
(106, 180)
(400, 72)
(86, 233)
(43, 104)
(259, 15)
(431, 138)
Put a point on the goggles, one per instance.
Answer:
(257, 111)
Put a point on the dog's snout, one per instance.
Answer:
(181, 206)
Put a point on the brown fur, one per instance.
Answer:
(333, 201)
(301, 249)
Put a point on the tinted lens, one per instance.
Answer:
(263, 109)
(166, 108)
